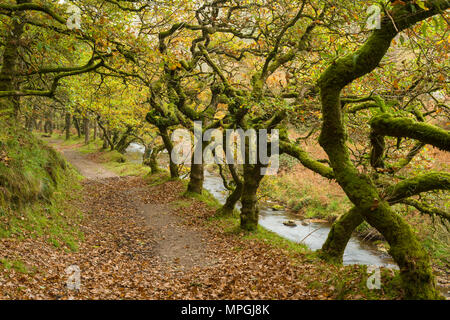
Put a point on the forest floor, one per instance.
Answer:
(143, 239)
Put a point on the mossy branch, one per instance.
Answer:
(305, 159)
(417, 185)
(91, 66)
(387, 125)
(425, 208)
(33, 7)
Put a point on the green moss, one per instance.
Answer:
(17, 265)
(339, 236)
(304, 198)
(277, 241)
(386, 124)
(417, 185)
(127, 169)
(157, 178)
(30, 170)
(36, 189)
(205, 197)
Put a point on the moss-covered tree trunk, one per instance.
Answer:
(153, 164)
(197, 175)
(173, 167)
(124, 142)
(30, 123)
(249, 199)
(8, 106)
(228, 208)
(95, 130)
(339, 236)
(76, 123)
(415, 269)
(105, 142)
(343, 228)
(229, 205)
(150, 157)
(48, 125)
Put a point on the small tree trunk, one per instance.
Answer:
(48, 127)
(35, 123)
(174, 172)
(95, 130)
(153, 164)
(9, 105)
(124, 141)
(29, 124)
(68, 124)
(150, 158)
(228, 208)
(106, 136)
(76, 122)
(86, 130)
(105, 143)
(196, 179)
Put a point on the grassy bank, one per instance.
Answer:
(37, 188)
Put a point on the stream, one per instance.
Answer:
(312, 235)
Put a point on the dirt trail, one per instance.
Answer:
(175, 244)
(87, 168)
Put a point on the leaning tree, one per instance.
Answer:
(369, 203)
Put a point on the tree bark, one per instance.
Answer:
(228, 208)
(124, 141)
(387, 125)
(95, 130)
(174, 172)
(76, 122)
(339, 236)
(196, 178)
(86, 130)
(249, 199)
(8, 106)
(68, 121)
(150, 158)
(343, 228)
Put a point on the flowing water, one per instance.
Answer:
(313, 234)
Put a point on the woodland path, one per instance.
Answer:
(175, 244)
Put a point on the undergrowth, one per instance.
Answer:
(37, 188)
